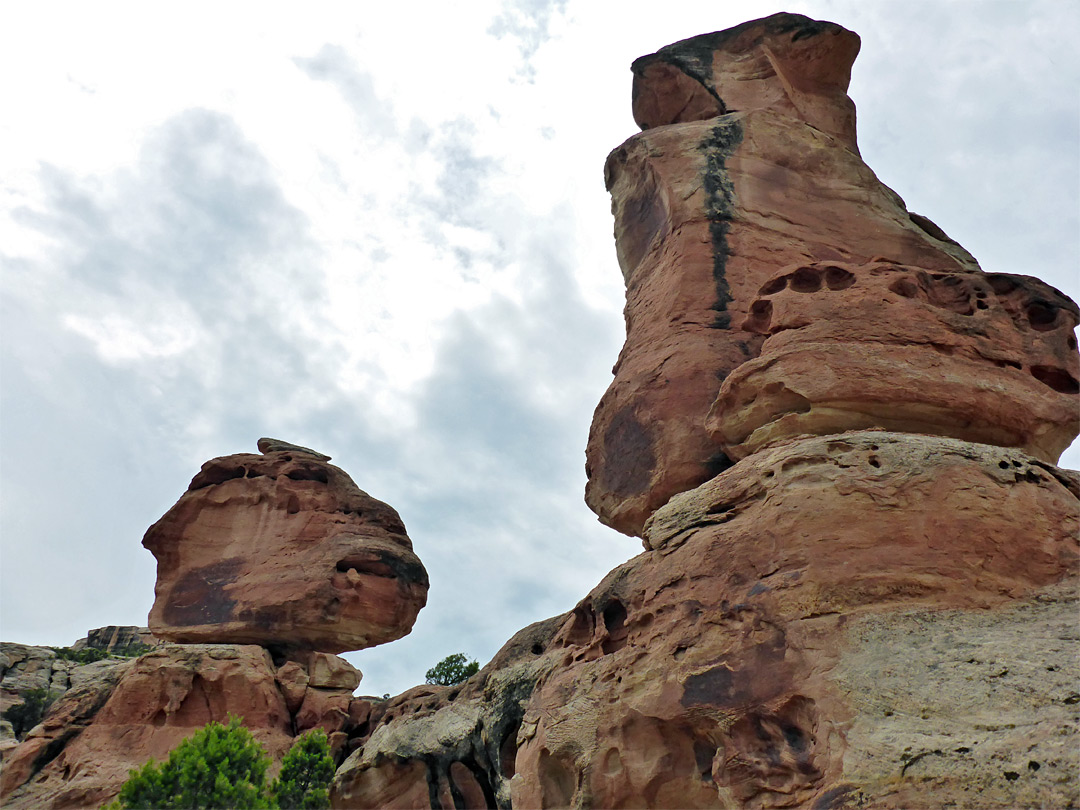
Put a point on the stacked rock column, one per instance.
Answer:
(883, 578)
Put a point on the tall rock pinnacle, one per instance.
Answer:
(836, 437)
(743, 216)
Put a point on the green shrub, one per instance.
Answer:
(132, 650)
(451, 670)
(219, 767)
(30, 712)
(87, 655)
(306, 773)
(224, 767)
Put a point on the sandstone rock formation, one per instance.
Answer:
(987, 358)
(760, 653)
(50, 672)
(746, 172)
(114, 715)
(135, 710)
(114, 639)
(283, 549)
(280, 549)
(837, 438)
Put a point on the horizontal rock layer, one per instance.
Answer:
(986, 358)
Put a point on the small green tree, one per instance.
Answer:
(30, 712)
(219, 767)
(451, 670)
(306, 773)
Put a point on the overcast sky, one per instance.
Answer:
(380, 230)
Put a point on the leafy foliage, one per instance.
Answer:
(29, 713)
(133, 650)
(219, 767)
(451, 670)
(306, 773)
(224, 767)
(88, 655)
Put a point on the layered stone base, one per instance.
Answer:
(863, 620)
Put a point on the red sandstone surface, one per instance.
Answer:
(284, 550)
(725, 666)
(707, 212)
(837, 438)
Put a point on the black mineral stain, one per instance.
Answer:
(829, 799)
(718, 146)
(715, 687)
(199, 596)
(628, 450)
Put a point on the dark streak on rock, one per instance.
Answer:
(718, 146)
(828, 800)
(628, 450)
(199, 596)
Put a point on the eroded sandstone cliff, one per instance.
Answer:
(837, 438)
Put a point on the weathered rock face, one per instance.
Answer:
(118, 639)
(284, 550)
(760, 654)
(448, 746)
(30, 673)
(281, 551)
(786, 62)
(987, 358)
(123, 713)
(746, 172)
(837, 438)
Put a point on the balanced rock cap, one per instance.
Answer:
(283, 550)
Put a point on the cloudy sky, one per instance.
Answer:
(380, 230)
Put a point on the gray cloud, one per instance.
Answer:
(494, 474)
(332, 64)
(528, 22)
(105, 446)
(952, 100)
